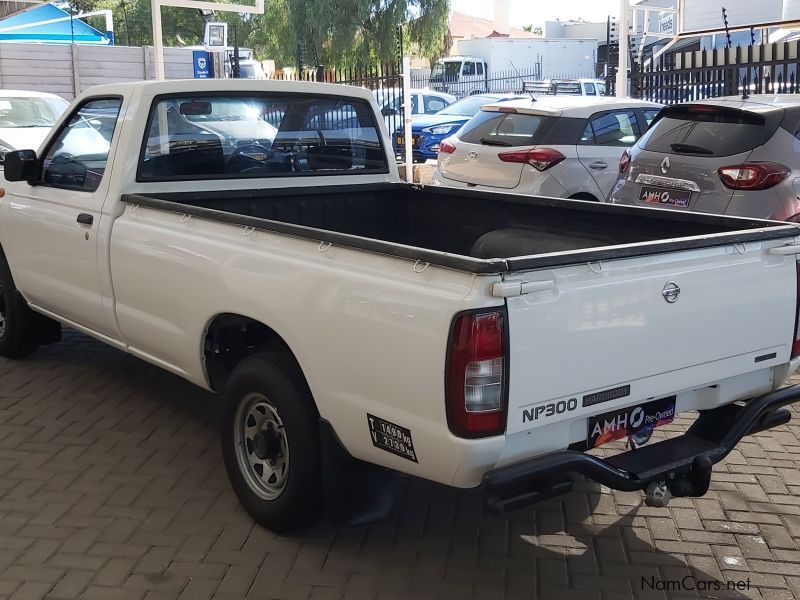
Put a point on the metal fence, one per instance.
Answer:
(386, 83)
(700, 74)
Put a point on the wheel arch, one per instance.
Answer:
(229, 338)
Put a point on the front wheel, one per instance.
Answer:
(270, 443)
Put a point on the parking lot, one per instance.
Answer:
(113, 487)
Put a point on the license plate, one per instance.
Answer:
(664, 196)
(633, 420)
(401, 140)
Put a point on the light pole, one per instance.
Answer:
(624, 54)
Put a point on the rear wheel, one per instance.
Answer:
(270, 443)
(18, 333)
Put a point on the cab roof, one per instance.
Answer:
(181, 86)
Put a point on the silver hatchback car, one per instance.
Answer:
(728, 155)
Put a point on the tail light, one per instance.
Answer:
(796, 343)
(476, 385)
(624, 162)
(753, 176)
(446, 147)
(539, 158)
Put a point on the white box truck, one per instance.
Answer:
(499, 64)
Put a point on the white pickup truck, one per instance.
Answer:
(254, 238)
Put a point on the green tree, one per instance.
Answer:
(334, 33)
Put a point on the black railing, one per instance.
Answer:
(701, 74)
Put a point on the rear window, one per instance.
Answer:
(707, 131)
(505, 129)
(242, 136)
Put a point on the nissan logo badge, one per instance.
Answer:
(671, 292)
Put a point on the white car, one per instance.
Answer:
(563, 146)
(26, 118)
(423, 102)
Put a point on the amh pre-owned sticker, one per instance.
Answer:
(392, 438)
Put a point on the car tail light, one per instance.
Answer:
(476, 384)
(446, 147)
(539, 158)
(796, 343)
(624, 162)
(753, 176)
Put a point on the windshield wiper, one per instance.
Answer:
(689, 149)
(490, 142)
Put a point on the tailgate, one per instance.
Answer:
(604, 326)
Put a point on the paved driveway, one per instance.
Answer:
(112, 487)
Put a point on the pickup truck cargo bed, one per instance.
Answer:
(474, 231)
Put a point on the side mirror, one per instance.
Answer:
(388, 112)
(21, 165)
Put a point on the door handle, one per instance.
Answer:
(598, 164)
(85, 219)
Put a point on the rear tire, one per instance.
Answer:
(18, 334)
(271, 443)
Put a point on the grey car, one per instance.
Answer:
(728, 155)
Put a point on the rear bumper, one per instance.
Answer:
(677, 462)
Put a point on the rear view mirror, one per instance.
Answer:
(21, 165)
(388, 112)
(195, 108)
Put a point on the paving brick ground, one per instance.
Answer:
(112, 487)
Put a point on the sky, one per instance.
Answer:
(536, 12)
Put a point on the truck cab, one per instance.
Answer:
(460, 75)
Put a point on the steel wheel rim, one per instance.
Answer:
(3, 321)
(262, 448)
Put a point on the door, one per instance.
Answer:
(605, 138)
(53, 226)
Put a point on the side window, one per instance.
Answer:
(259, 135)
(434, 104)
(469, 68)
(616, 128)
(77, 157)
(649, 115)
(480, 68)
(589, 88)
(601, 89)
(415, 104)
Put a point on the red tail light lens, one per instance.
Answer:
(476, 383)
(796, 343)
(539, 158)
(624, 162)
(446, 147)
(753, 176)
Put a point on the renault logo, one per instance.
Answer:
(671, 292)
(665, 165)
(472, 155)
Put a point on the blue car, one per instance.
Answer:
(428, 130)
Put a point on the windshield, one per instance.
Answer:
(247, 71)
(449, 69)
(468, 106)
(30, 112)
(706, 130)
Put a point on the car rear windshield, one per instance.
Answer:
(706, 130)
(230, 136)
(492, 128)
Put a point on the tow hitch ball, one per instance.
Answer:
(695, 483)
